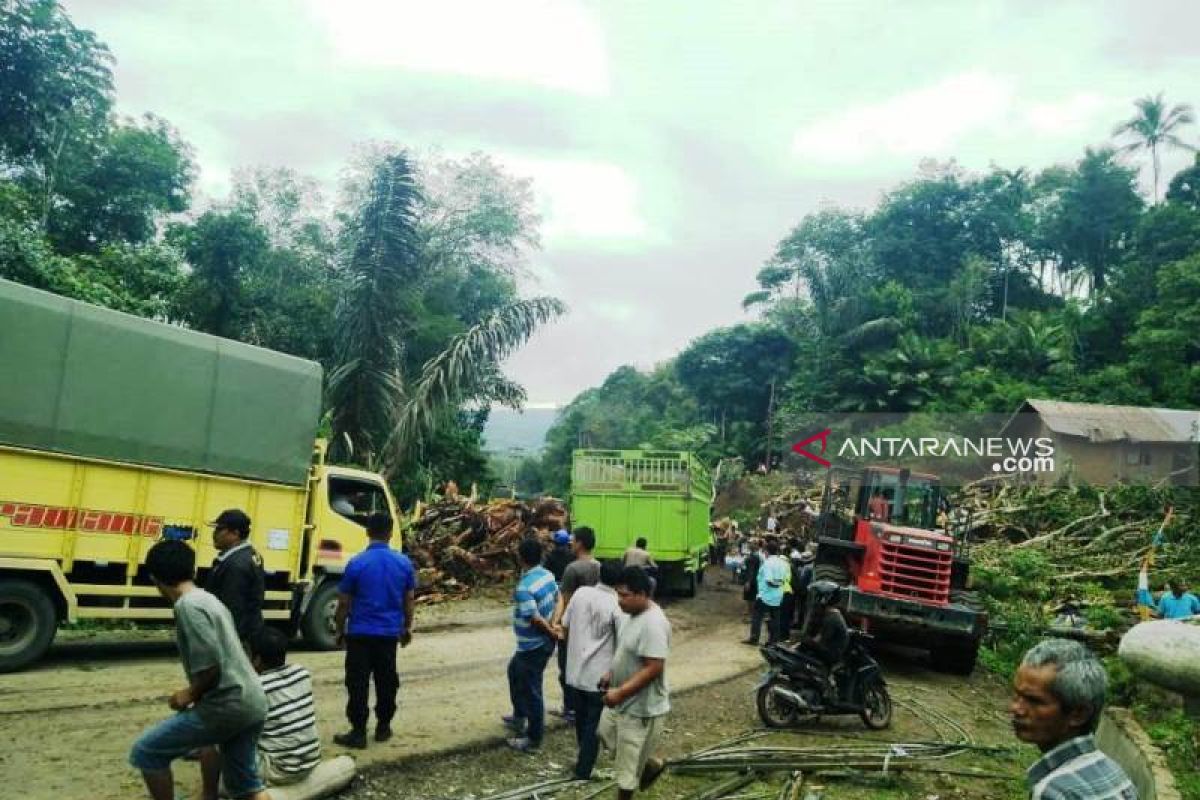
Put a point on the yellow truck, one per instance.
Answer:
(117, 432)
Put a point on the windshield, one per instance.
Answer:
(881, 500)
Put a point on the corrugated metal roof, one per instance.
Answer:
(1101, 423)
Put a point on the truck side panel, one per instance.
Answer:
(98, 519)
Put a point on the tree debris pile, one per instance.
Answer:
(1090, 533)
(457, 544)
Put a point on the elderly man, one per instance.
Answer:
(1058, 695)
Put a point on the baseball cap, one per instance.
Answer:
(562, 537)
(234, 519)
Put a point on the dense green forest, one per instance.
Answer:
(404, 286)
(957, 292)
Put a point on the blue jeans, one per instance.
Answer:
(525, 670)
(179, 735)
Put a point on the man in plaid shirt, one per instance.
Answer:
(1058, 695)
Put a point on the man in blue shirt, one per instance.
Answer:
(535, 604)
(1178, 603)
(376, 595)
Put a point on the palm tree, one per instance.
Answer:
(377, 417)
(381, 262)
(466, 370)
(1155, 125)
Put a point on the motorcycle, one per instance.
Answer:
(797, 685)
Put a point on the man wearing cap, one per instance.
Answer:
(236, 577)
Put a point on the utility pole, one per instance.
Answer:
(770, 423)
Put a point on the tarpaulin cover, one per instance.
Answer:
(92, 382)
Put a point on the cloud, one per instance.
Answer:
(1071, 116)
(922, 122)
(581, 199)
(552, 44)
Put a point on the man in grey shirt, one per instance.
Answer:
(590, 626)
(636, 692)
(584, 570)
(223, 704)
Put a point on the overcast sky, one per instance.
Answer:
(671, 144)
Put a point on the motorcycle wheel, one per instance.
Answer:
(774, 712)
(877, 706)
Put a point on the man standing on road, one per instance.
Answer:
(772, 576)
(590, 626)
(636, 692)
(560, 554)
(376, 596)
(639, 556)
(1058, 695)
(535, 602)
(583, 570)
(223, 704)
(236, 578)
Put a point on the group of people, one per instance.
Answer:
(612, 641)
(246, 714)
(775, 586)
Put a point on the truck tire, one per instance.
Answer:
(838, 573)
(956, 656)
(688, 586)
(317, 626)
(27, 623)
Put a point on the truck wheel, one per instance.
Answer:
(27, 624)
(689, 585)
(832, 572)
(957, 656)
(318, 626)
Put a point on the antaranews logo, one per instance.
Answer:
(976, 454)
(823, 437)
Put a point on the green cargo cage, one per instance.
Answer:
(663, 496)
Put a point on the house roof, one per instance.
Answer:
(1101, 423)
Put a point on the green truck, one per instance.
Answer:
(663, 496)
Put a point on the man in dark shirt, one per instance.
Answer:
(832, 633)
(560, 555)
(376, 594)
(236, 577)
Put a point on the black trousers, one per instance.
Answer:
(588, 707)
(568, 692)
(367, 656)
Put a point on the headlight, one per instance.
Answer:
(894, 539)
(943, 545)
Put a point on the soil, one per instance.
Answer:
(706, 715)
(66, 726)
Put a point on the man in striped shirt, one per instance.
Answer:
(288, 747)
(1058, 695)
(535, 603)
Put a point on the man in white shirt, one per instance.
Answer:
(590, 626)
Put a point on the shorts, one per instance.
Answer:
(631, 740)
(179, 735)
